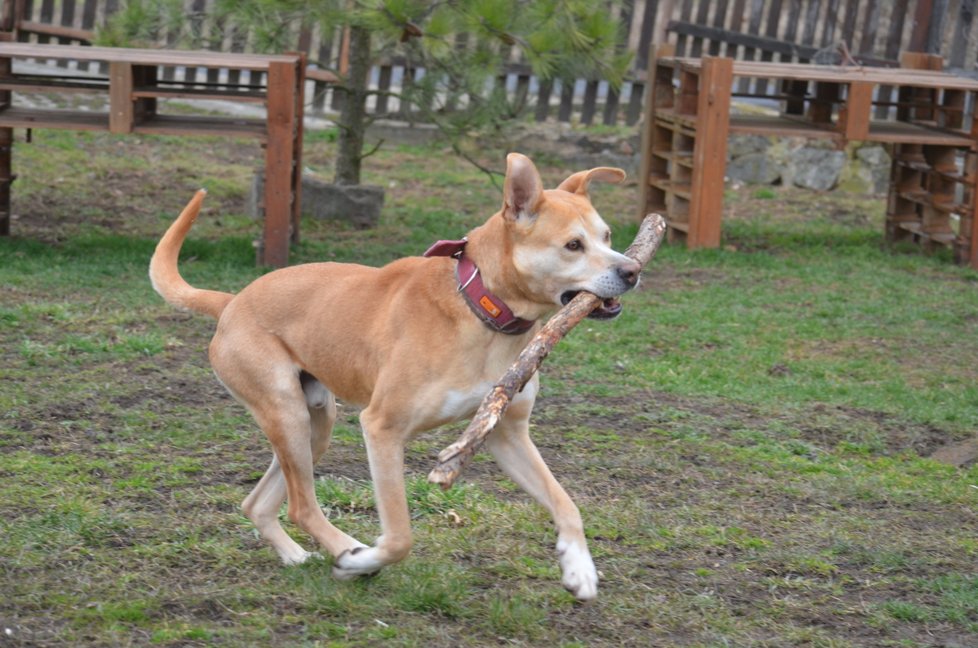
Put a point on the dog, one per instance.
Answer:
(416, 344)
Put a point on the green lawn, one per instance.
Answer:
(748, 443)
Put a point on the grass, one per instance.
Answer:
(748, 443)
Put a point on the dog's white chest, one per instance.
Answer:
(463, 403)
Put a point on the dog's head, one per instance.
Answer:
(560, 245)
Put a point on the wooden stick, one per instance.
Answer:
(452, 460)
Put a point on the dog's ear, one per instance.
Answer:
(522, 189)
(579, 182)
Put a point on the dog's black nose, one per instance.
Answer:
(629, 273)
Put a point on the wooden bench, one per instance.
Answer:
(134, 86)
(933, 195)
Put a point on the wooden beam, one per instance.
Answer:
(855, 114)
(59, 31)
(121, 114)
(659, 79)
(710, 153)
(279, 156)
(785, 48)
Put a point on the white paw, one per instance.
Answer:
(299, 557)
(580, 577)
(359, 561)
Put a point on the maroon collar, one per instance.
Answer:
(492, 310)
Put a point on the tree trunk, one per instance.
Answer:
(353, 115)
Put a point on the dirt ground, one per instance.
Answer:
(716, 522)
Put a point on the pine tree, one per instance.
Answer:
(462, 46)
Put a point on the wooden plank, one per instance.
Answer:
(895, 132)
(962, 30)
(710, 153)
(6, 148)
(828, 23)
(59, 119)
(683, 44)
(47, 17)
(791, 24)
(522, 92)
(566, 100)
(6, 178)
(719, 20)
(849, 24)
(658, 85)
(202, 125)
(811, 22)
(298, 108)
(771, 31)
(634, 111)
(279, 155)
(970, 252)
(924, 78)
(241, 96)
(871, 23)
(120, 97)
(855, 113)
(138, 56)
(749, 41)
(702, 12)
(926, 23)
(610, 113)
(590, 102)
(738, 16)
(543, 100)
(88, 24)
(58, 31)
(779, 125)
(753, 28)
(383, 86)
(59, 84)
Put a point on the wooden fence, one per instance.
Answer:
(874, 32)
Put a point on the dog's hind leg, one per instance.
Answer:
(263, 504)
(262, 376)
(517, 455)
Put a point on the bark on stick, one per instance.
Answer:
(452, 460)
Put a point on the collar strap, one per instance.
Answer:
(492, 310)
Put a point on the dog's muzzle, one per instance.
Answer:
(626, 278)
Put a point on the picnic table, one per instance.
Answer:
(133, 85)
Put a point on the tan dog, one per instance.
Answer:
(412, 348)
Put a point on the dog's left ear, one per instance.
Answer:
(522, 189)
(579, 182)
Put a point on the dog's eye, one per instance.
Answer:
(607, 236)
(575, 245)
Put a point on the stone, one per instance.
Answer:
(815, 168)
(745, 144)
(359, 205)
(753, 168)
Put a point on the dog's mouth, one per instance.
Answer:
(609, 309)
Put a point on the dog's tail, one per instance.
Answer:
(166, 277)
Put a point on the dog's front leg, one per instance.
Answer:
(385, 452)
(519, 458)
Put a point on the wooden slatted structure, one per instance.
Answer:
(875, 31)
(934, 140)
(134, 85)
